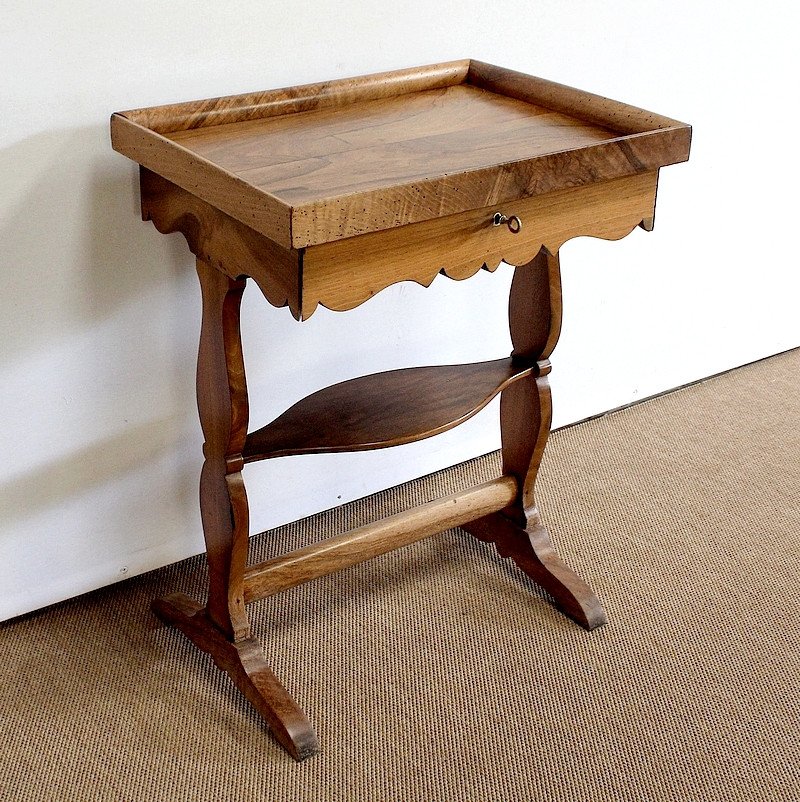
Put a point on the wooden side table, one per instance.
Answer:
(328, 193)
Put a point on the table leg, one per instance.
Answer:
(525, 415)
(222, 628)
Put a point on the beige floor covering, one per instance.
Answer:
(440, 673)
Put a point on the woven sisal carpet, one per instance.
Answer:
(440, 673)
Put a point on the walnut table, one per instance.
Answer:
(327, 193)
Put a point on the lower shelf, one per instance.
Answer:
(384, 409)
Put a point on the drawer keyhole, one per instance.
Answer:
(514, 223)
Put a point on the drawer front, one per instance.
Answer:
(341, 275)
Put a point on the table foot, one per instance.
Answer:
(532, 550)
(244, 662)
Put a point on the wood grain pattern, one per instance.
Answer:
(307, 166)
(329, 135)
(367, 542)
(612, 114)
(244, 662)
(140, 135)
(533, 553)
(222, 627)
(230, 194)
(534, 312)
(221, 241)
(325, 154)
(525, 416)
(223, 406)
(341, 275)
(384, 409)
(329, 192)
(295, 99)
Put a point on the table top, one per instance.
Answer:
(323, 162)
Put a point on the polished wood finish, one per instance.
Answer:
(532, 551)
(525, 417)
(379, 152)
(384, 409)
(222, 627)
(228, 193)
(534, 312)
(223, 242)
(361, 162)
(223, 407)
(141, 135)
(342, 274)
(325, 194)
(293, 100)
(243, 661)
(594, 109)
(372, 540)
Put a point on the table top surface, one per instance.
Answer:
(322, 162)
(315, 156)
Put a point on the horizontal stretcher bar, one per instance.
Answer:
(374, 539)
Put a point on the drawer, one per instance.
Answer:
(342, 274)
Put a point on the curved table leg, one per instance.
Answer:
(244, 662)
(222, 628)
(525, 416)
(532, 550)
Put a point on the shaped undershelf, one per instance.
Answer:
(384, 409)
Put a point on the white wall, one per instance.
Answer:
(99, 440)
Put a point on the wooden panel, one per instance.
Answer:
(385, 409)
(384, 123)
(319, 155)
(309, 165)
(620, 117)
(366, 542)
(221, 241)
(248, 204)
(364, 211)
(342, 274)
(295, 99)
